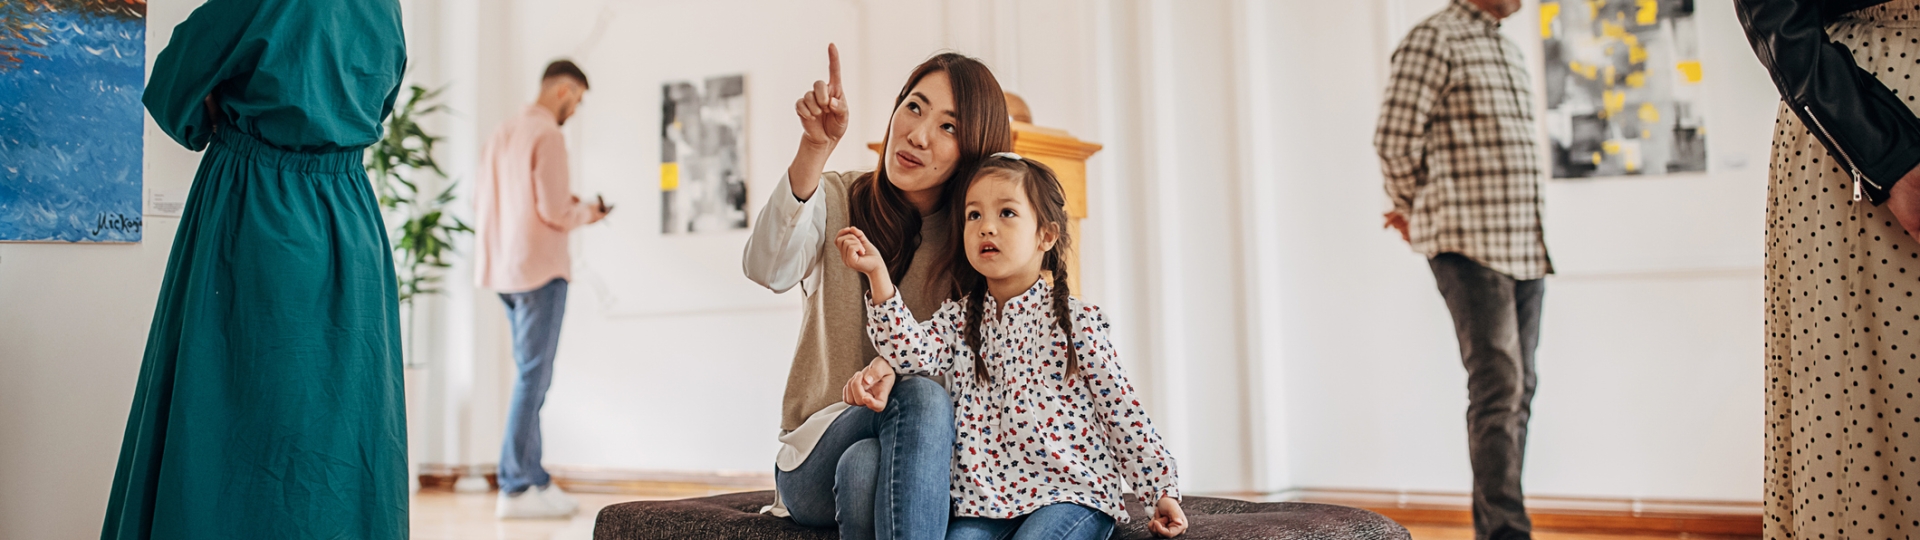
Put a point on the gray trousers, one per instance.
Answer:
(1497, 320)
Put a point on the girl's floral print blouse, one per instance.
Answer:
(1031, 436)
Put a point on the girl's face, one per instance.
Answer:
(921, 147)
(1004, 240)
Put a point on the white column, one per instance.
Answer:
(1260, 243)
(1165, 314)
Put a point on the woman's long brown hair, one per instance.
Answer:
(1049, 201)
(881, 210)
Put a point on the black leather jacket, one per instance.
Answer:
(1859, 120)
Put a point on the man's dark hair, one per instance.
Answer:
(560, 68)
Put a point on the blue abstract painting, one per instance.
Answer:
(71, 74)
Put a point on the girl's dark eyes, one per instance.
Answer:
(913, 107)
(973, 215)
(948, 127)
(1007, 213)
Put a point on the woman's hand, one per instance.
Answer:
(823, 111)
(1168, 519)
(870, 387)
(860, 255)
(823, 116)
(1903, 201)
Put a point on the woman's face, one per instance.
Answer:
(921, 145)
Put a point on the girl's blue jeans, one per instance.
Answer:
(1061, 521)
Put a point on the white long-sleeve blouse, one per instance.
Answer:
(1032, 436)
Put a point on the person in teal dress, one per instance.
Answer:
(270, 403)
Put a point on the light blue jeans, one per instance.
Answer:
(535, 318)
(879, 475)
(1060, 521)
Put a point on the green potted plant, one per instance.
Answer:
(423, 231)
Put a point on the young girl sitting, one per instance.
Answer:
(1047, 424)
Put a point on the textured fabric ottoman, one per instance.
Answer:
(736, 517)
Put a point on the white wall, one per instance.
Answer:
(1650, 350)
(73, 326)
(671, 359)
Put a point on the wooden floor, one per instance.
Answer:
(1421, 532)
(445, 515)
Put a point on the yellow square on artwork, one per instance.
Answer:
(669, 176)
(1689, 71)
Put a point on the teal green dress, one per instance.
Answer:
(270, 403)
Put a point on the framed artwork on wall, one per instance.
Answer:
(1622, 87)
(703, 155)
(71, 121)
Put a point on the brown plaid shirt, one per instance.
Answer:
(1456, 143)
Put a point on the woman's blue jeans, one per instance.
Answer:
(882, 475)
(1059, 521)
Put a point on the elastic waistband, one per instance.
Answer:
(229, 140)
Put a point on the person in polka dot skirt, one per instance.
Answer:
(1047, 425)
(1842, 268)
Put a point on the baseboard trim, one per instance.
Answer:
(438, 477)
(1568, 514)
(599, 480)
(441, 477)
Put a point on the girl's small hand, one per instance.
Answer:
(1168, 519)
(870, 387)
(860, 255)
(858, 252)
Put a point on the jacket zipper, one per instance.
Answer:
(1857, 177)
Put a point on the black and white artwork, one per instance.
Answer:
(1623, 87)
(703, 155)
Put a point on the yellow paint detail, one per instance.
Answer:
(1615, 31)
(1645, 134)
(669, 176)
(1649, 113)
(1614, 100)
(1689, 71)
(1636, 79)
(1611, 147)
(1611, 76)
(1584, 70)
(1649, 12)
(1596, 158)
(1548, 12)
(1636, 54)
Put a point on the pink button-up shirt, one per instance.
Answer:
(523, 206)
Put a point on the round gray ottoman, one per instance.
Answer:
(736, 517)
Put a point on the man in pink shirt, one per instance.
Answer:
(523, 210)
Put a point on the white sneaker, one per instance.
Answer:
(529, 504)
(559, 499)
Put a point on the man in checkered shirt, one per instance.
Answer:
(1456, 144)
